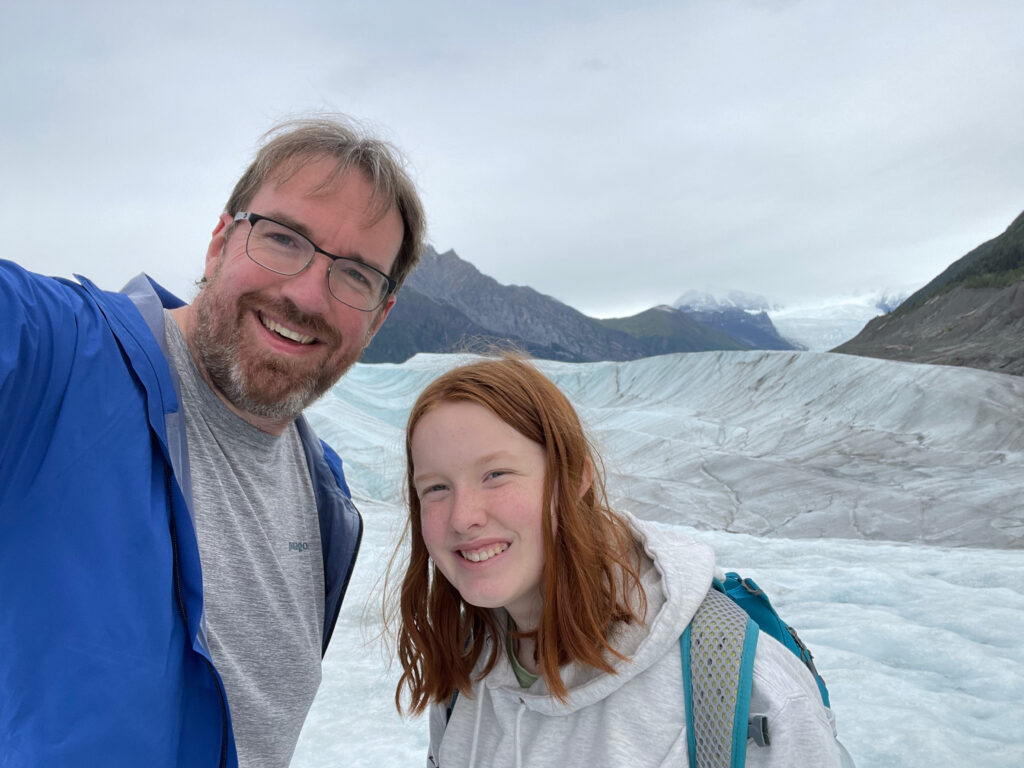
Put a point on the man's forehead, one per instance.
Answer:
(331, 173)
(325, 180)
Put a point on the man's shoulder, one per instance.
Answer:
(36, 293)
(320, 455)
(29, 294)
(44, 322)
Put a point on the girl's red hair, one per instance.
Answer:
(590, 578)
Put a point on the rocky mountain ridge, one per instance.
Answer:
(447, 305)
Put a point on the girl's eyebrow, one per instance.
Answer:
(416, 479)
(500, 454)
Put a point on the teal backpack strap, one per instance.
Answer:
(748, 596)
(718, 674)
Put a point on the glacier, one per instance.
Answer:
(877, 502)
(827, 323)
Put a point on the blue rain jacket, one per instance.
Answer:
(103, 655)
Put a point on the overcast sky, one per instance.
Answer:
(612, 155)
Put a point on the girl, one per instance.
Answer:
(556, 619)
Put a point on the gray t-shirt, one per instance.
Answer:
(263, 581)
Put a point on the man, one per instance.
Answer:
(175, 543)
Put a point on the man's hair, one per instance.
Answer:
(589, 579)
(290, 145)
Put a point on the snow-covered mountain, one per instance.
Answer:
(743, 316)
(712, 300)
(847, 481)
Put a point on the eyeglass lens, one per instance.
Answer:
(283, 250)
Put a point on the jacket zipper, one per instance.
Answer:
(223, 761)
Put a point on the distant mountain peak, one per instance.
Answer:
(712, 300)
(448, 304)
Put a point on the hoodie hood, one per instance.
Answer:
(636, 716)
(676, 572)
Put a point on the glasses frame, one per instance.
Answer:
(253, 218)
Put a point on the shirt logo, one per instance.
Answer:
(298, 546)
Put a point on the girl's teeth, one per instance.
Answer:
(479, 555)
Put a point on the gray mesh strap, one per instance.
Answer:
(718, 655)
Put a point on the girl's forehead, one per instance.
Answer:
(462, 430)
(461, 417)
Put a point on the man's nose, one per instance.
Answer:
(308, 290)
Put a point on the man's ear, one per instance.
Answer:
(382, 315)
(215, 249)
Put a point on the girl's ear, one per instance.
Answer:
(588, 478)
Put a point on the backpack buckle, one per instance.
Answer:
(757, 729)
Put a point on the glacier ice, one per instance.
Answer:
(876, 501)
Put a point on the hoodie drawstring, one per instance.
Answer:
(476, 727)
(519, 746)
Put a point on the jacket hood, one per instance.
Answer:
(676, 573)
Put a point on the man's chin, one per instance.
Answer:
(267, 396)
(275, 391)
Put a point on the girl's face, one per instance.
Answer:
(480, 485)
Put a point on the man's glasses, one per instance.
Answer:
(283, 250)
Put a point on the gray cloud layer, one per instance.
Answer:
(612, 157)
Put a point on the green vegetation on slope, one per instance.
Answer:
(994, 264)
(672, 331)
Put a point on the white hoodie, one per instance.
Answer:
(635, 718)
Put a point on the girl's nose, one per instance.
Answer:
(467, 511)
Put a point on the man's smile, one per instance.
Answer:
(281, 330)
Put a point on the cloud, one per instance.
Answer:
(612, 157)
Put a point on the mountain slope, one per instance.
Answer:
(741, 316)
(972, 314)
(448, 305)
(666, 329)
(754, 330)
(517, 312)
(418, 323)
(997, 263)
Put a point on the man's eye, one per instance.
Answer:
(280, 240)
(283, 239)
(357, 276)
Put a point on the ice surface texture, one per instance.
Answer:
(794, 444)
(921, 643)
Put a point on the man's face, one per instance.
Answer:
(271, 344)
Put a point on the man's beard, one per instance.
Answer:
(256, 381)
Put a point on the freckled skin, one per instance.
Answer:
(481, 483)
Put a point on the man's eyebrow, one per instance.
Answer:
(302, 229)
(288, 221)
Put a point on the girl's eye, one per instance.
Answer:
(437, 487)
(496, 473)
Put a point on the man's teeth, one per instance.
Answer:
(288, 333)
(479, 555)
